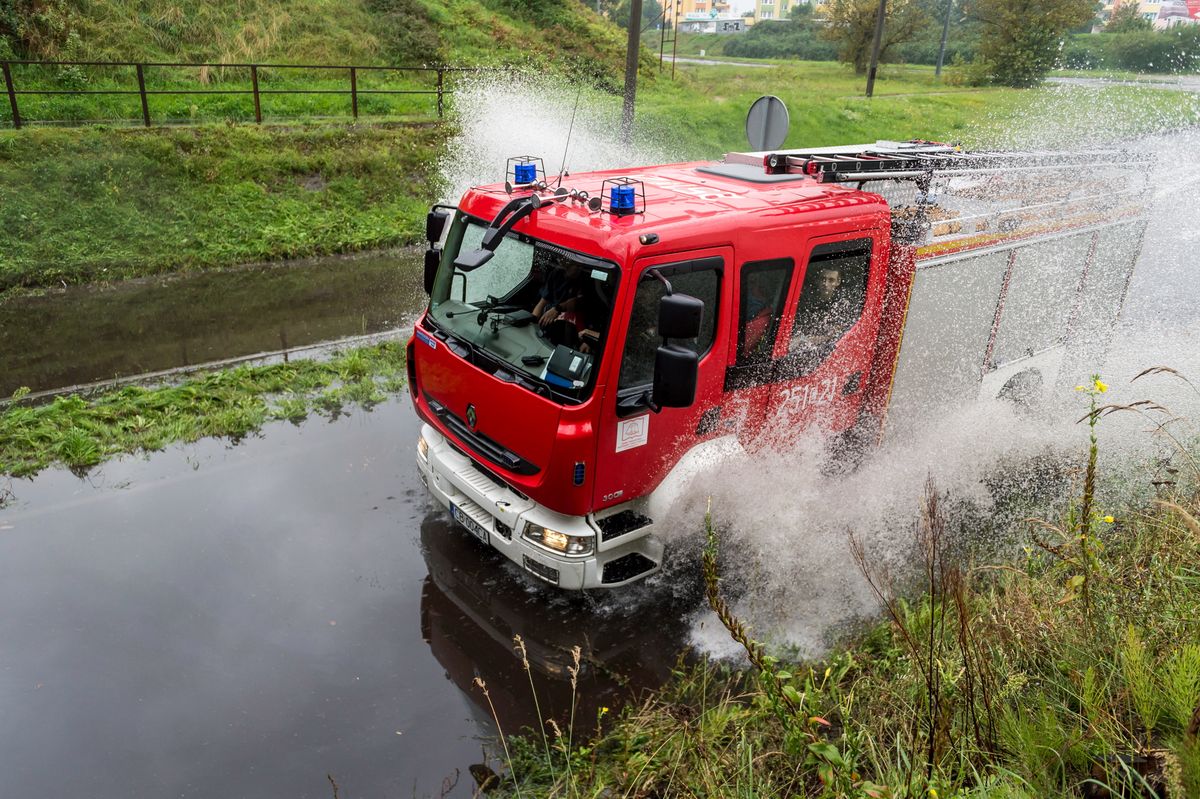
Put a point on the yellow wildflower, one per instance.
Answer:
(1081, 388)
(1109, 519)
(1101, 386)
(933, 794)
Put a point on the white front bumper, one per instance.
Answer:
(454, 480)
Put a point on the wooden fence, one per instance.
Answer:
(437, 88)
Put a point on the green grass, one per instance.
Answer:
(690, 44)
(80, 432)
(81, 205)
(827, 106)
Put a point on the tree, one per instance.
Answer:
(852, 27)
(1020, 39)
(1126, 18)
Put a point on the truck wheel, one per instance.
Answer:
(846, 450)
(1024, 390)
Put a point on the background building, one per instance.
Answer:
(705, 8)
(1162, 14)
(773, 9)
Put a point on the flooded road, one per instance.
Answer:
(83, 334)
(217, 621)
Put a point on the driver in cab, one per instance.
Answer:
(560, 295)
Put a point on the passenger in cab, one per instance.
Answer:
(825, 313)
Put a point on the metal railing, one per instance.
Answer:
(439, 88)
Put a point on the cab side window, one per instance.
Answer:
(700, 279)
(764, 290)
(831, 301)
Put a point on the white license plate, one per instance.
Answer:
(466, 521)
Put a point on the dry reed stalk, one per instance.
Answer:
(503, 741)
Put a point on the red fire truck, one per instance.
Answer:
(592, 341)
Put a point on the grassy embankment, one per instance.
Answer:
(85, 205)
(80, 432)
(1073, 672)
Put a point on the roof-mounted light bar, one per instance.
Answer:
(524, 171)
(624, 195)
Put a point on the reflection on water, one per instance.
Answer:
(84, 334)
(217, 621)
(474, 602)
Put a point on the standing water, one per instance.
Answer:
(84, 334)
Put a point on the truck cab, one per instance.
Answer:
(712, 307)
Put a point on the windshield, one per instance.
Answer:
(535, 308)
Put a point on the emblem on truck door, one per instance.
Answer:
(471, 418)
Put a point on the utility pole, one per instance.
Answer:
(632, 49)
(875, 45)
(945, 34)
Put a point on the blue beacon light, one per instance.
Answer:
(622, 199)
(525, 173)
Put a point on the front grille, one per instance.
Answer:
(537, 569)
(621, 523)
(481, 444)
(626, 567)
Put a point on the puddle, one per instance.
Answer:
(84, 334)
(242, 621)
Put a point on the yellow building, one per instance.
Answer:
(773, 9)
(703, 8)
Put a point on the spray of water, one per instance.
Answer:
(525, 114)
(786, 521)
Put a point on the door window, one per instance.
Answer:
(831, 301)
(764, 290)
(700, 279)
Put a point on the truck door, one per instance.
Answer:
(828, 333)
(638, 447)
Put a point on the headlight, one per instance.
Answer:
(552, 539)
(423, 448)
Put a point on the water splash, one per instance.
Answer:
(523, 114)
(786, 525)
(785, 522)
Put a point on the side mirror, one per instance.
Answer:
(470, 261)
(676, 370)
(679, 316)
(433, 258)
(435, 224)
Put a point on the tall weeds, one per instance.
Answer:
(993, 680)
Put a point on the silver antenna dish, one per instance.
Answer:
(767, 123)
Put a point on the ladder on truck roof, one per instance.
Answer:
(946, 199)
(918, 159)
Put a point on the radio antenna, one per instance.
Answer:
(563, 168)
